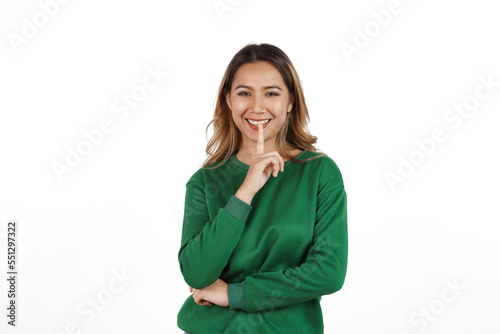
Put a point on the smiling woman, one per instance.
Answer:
(259, 252)
(254, 101)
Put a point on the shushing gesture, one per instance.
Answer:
(262, 165)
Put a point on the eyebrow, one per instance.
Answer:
(266, 87)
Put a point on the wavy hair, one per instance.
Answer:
(226, 139)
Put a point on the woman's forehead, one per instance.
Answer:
(258, 75)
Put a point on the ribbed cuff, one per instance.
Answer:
(236, 296)
(238, 208)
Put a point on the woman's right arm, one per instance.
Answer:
(206, 245)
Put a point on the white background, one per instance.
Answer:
(120, 209)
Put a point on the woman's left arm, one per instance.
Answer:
(322, 273)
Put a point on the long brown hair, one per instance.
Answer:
(226, 139)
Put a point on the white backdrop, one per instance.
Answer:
(104, 107)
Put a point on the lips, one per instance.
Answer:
(254, 126)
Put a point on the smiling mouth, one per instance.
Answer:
(257, 122)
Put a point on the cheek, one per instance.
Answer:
(238, 121)
(236, 116)
(280, 106)
(239, 107)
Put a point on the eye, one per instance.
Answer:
(243, 93)
(273, 94)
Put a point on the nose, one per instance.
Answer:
(258, 104)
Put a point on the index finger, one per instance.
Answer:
(260, 140)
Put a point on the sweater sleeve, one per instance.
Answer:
(206, 245)
(324, 269)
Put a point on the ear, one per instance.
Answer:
(228, 100)
(290, 105)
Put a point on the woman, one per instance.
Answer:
(258, 252)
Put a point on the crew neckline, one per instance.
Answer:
(244, 166)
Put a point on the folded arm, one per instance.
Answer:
(206, 244)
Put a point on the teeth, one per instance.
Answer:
(261, 122)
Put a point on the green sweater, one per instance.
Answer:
(279, 255)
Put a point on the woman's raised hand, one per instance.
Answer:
(261, 167)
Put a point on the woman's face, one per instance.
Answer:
(258, 92)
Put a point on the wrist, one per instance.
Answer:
(244, 195)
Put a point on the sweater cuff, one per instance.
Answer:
(238, 208)
(236, 296)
